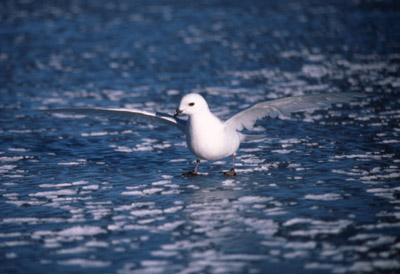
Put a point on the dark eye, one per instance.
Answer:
(191, 104)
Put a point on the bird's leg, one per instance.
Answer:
(194, 172)
(231, 172)
(197, 165)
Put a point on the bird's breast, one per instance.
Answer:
(209, 139)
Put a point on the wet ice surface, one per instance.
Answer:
(319, 194)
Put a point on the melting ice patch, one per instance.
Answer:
(254, 199)
(7, 159)
(389, 193)
(84, 262)
(6, 168)
(55, 193)
(324, 197)
(81, 231)
(313, 228)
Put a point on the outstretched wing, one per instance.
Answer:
(127, 114)
(248, 117)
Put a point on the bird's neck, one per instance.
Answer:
(204, 120)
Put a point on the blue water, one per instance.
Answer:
(319, 194)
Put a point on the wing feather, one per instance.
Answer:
(248, 117)
(127, 114)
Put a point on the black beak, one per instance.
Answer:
(177, 112)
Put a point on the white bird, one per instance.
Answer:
(210, 138)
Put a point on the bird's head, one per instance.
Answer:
(192, 103)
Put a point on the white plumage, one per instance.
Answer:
(209, 138)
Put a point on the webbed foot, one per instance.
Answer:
(190, 173)
(230, 173)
